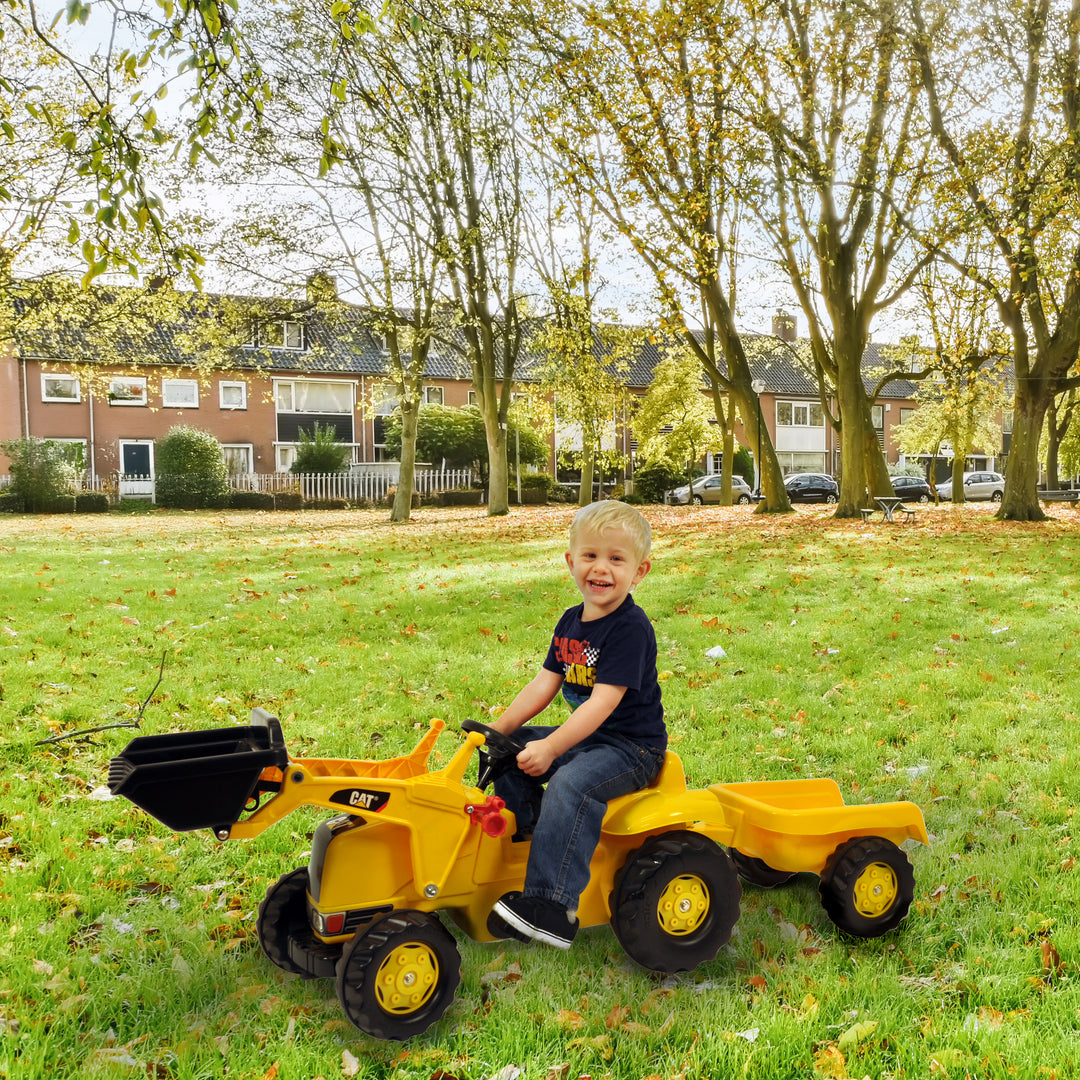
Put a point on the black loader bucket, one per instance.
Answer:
(200, 779)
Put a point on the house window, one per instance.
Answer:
(906, 414)
(232, 395)
(433, 395)
(74, 451)
(279, 334)
(60, 388)
(238, 457)
(799, 414)
(129, 391)
(877, 416)
(180, 393)
(474, 398)
(313, 396)
(284, 456)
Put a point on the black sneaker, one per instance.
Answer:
(498, 927)
(541, 920)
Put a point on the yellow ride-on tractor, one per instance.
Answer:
(407, 842)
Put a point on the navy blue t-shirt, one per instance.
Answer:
(619, 650)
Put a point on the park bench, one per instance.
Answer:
(1059, 496)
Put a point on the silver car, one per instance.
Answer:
(706, 489)
(977, 485)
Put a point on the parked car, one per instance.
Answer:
(912, 488)
(977, 485)
(812, 487)
(706, 489)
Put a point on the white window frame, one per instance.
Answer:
(291, 331)
(55, 377)
(434, 395)
(801, 413)
(232, 384)
(287, 387)
(129, 384)
(190, 385)
(249, 452)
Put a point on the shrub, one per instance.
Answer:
(191, 472)
(289, 500)
(743, 465)
(41, 472)
(91, 502)
(11, 502)
(653, 478)
(251, 500)
(320, 452)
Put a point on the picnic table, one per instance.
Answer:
(887, 504)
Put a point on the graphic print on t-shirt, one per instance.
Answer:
(578, 659)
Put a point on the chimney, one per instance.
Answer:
(784, 326)
(321, 286)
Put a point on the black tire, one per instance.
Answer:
(924, 498)
(757, 871)
(675, 901)
(698, 500)
(283, 927)
(867, 886)
(830, 499)
(744, 500)
(996, 497)
(397, 977)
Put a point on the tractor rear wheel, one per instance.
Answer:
(675, 901)
(396, 978)
(757, 871)
(867, 886)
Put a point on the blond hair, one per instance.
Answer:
(611, 515)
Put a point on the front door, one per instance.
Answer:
(137, 469)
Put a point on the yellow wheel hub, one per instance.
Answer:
(406, 979)
(683, 905)
(875, 890)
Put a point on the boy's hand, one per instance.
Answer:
(536, 758)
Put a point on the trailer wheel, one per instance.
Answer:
(283, 928)
(757, 871)
(675, 901)
(397, 977)
(867, 886)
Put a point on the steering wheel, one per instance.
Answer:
(497, 754)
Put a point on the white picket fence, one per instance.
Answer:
(366, 486)
(352, 487)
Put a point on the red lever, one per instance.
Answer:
(489, 815)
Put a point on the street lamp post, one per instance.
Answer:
(758, 386)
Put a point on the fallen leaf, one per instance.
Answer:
(856, 1034)
(830, 1062)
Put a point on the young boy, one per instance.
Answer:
(603, 658)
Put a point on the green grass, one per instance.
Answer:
(933, 662)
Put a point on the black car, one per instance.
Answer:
(812, 487)
(912, 489)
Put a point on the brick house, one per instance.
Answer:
(297, 366)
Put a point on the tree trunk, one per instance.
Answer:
(863, 471)
(1053, 440)
(1021, 502)
(402, 507)
(957, 474)
(498, 470)
(588, 463)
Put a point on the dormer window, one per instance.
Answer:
(278, 334)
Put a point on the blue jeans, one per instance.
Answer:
(565, 818)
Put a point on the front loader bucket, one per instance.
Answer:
(199, 779)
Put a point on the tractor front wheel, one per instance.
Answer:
(397, 977)
(284, 931)
(675, 901)
(867, 886)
